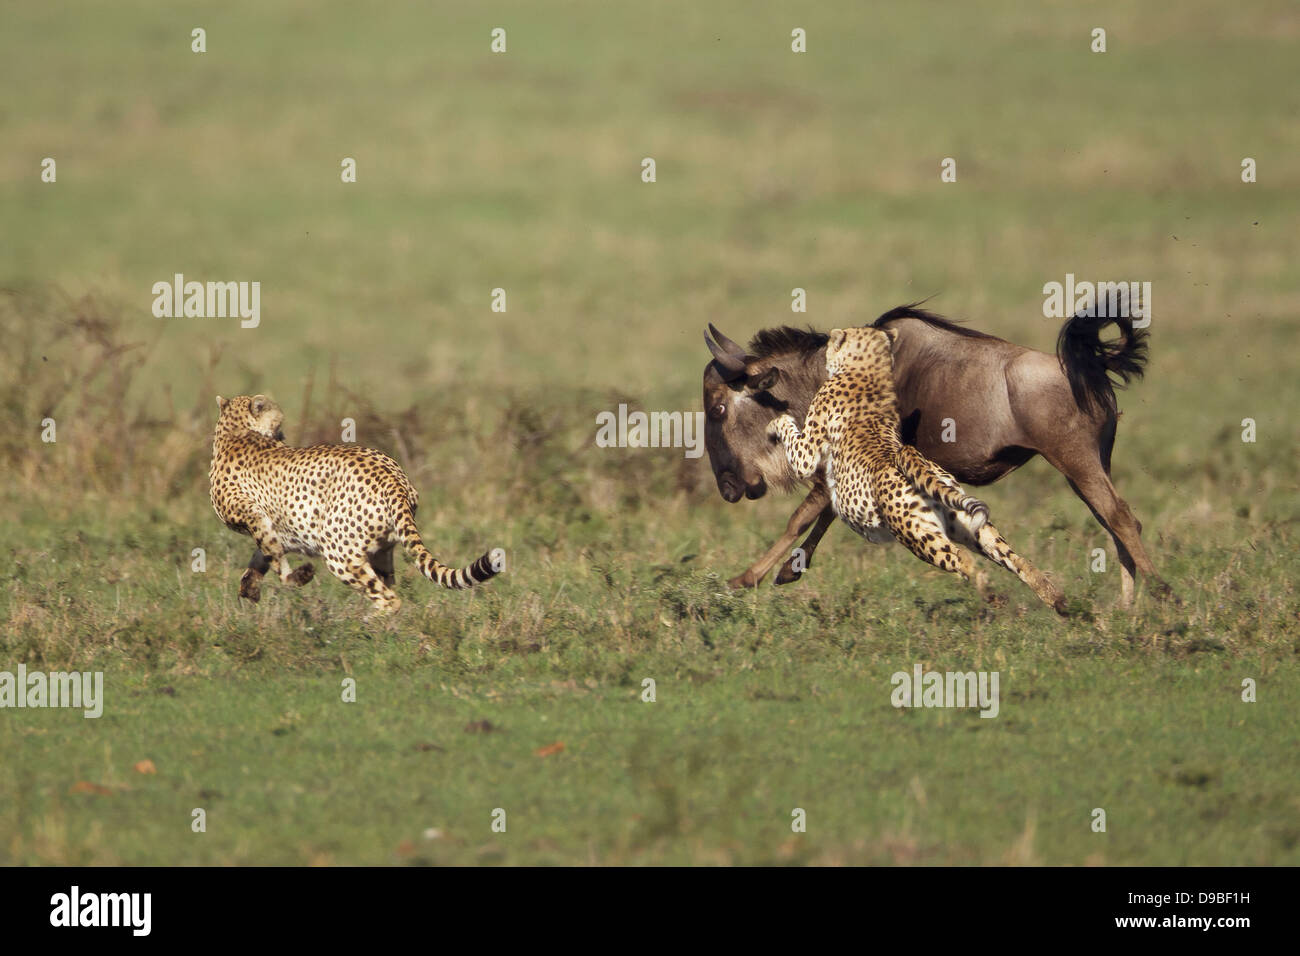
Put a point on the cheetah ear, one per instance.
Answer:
(222, 402)
(259, 403)
(892, 333)
(836, 339)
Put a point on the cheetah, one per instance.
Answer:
(347, 504)
(270, 422)
(882, 488)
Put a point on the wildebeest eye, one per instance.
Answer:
(718, 411)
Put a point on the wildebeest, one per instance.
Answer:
(999, 404)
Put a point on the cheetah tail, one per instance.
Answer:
(458, 579)
(936, 482)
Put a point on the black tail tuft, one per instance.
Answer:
(484, 569)
(1096, 368)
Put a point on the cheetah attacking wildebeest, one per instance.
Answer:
(347, 504)
(885, 490)
(1009, 403)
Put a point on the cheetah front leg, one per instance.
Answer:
(804, 451)
(243, 515)
(273, 558)
(250, 585)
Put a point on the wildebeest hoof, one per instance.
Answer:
(250, 586)
(1061, 607)
(787, 574)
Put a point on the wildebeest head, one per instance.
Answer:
(743, 391)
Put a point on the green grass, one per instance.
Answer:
(709, 773)
(523, 171)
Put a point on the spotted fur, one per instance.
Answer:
(881, 488)
(347, 504)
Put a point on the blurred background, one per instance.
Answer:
(522, 171)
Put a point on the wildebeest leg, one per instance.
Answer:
(787, 572)
(1082, 454)
(818, 500)
(1091, 483)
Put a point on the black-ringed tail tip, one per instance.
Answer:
(484, 569)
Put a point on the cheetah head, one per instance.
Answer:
(866, 349)
(255, 413)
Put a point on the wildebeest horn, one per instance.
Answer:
(733, 363)
(725, 342)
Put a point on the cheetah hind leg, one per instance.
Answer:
(382, 562)
(358, 574)
(948, 556)
(956, 525)
(996, 549)
(940, 551)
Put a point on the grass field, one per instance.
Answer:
(522, 171)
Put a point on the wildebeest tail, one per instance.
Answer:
(458, 579)
(1094, 368)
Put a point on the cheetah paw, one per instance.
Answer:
(301, 574)
(775, 426)
(250, 586)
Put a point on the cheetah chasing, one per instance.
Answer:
(347, 504)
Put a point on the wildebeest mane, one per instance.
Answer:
(913, 311)
(785, 338)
